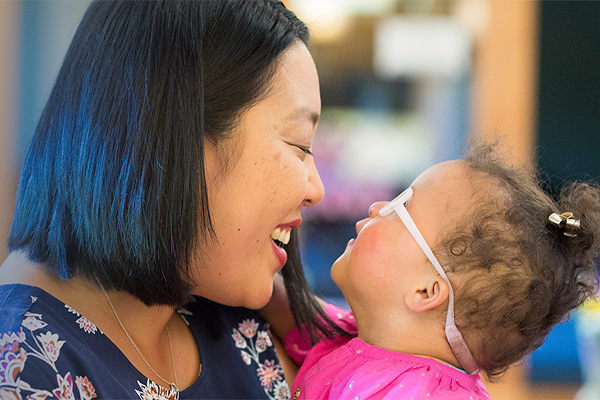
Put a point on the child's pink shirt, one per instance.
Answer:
(348, 368)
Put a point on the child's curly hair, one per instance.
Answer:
(517, 274)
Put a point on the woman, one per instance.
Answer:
(172, 159)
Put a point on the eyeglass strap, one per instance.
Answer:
(460, 349)
(455, 339)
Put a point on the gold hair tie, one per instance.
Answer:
(566, 222)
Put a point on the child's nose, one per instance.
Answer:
(361, 224)
(373, 212)
(375, 207)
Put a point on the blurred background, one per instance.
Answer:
(404, 84)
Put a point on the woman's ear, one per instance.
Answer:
(428, 297)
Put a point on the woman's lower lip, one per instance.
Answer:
(280, 253)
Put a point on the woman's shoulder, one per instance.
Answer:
(21, 304)
(15, 301)
(36, 331)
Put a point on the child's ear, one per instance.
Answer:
(428, 297)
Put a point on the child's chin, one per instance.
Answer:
(336, 267)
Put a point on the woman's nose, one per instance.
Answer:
(375, 207)
(315, 191)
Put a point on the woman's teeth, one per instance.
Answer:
(282, 235)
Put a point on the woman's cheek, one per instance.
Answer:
(295, 178)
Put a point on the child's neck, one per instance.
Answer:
(423, 339)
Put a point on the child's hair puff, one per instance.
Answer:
(517, 274)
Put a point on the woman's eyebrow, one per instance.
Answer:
(305, 113)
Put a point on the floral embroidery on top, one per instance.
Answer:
(281, 390)
(51, 345)
(86, 389)
(252, 343)
(83, 322)
(64, 391)
(32, 322)
(12, 361)
(269, 372)
(15, 349)
(248, 327)
(47, 353)
(152, 391)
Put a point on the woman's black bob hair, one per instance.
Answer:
(113, 182)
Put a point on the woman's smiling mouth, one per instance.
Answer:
(282, 235)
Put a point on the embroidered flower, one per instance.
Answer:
(69, 309)
(51, 345)
(263, 341)
(86, 389)
(246, 357)
(32, 322)
(268, 373)
(261, 345)
(11, 366)
(255, 342)
(12, 362)
(281, 390)
(151, 391)
(7, 393)
(83, 322)
(86, 325)
(10, 342)
(265, 335)
(240, 342)
(248, 327)
(38, 395)
(64, 391)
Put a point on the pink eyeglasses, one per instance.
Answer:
(455, 339)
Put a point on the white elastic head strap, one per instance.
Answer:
(455, 339)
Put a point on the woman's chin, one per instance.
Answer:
(252, 299)
(258, 300)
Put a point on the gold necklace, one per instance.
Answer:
(173, 386)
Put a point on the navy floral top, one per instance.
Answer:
(50, 351)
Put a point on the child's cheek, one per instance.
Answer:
(368, 252)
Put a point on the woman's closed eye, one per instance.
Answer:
(304, 149)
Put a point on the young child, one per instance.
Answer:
(508, 263)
